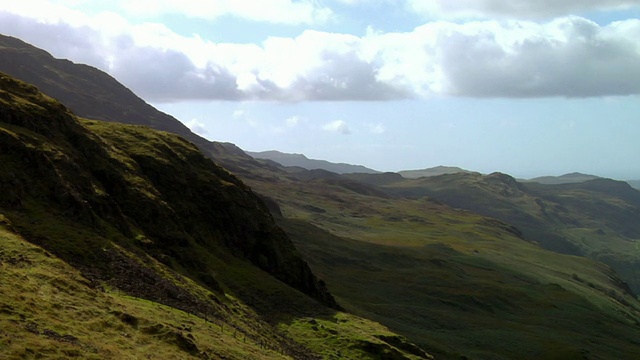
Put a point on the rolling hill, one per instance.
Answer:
(595, 218)
(564, 179)
(434, 171)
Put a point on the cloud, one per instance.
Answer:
(570, 57)
(522, 9)
(238, 114)
(567, 57)
(338, 126)
(377, 129)
(273, 11)
(292, 121)
(197, 127)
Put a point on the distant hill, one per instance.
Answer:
(634, 183)
(574, 218)
(434, 171)
(310, 164)
(571, 178)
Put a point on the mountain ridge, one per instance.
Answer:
(93, 94)
(300, 160)
(634, 183)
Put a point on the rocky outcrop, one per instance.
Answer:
(137, 182)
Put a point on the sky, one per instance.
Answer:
(524, 87)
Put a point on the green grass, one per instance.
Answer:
(454, 282)
(511, 300)
(49, 310)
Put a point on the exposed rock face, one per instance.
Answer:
(132, 180)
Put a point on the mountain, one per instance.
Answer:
(634, 183)
(416, 275)
(119, 241)
(434, 171)
(302, 161)
(93, 94)
(564, 179)
(455, 283)
(595, 218)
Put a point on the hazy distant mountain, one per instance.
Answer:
(434, 171)
(310, 164)
(571, 178)
(634, 183)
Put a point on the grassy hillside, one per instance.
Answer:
(434, 171)
(139, 246)
(50, 310)
(486, 302)
(564, 179)
(596, 218)
(454, 282)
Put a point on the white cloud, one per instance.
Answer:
(366, 2)
(377, 129)
(338, 126)
(522, 9)
(197, 127)
(238, 114)
(569, 56)
(293, 121)
(289, 12)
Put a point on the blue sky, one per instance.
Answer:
(524, 87)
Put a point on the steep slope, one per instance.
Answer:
(151, 183)
(49, 310)
(93, 94)
(302, 161)
(634, 184)
(144, 213)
